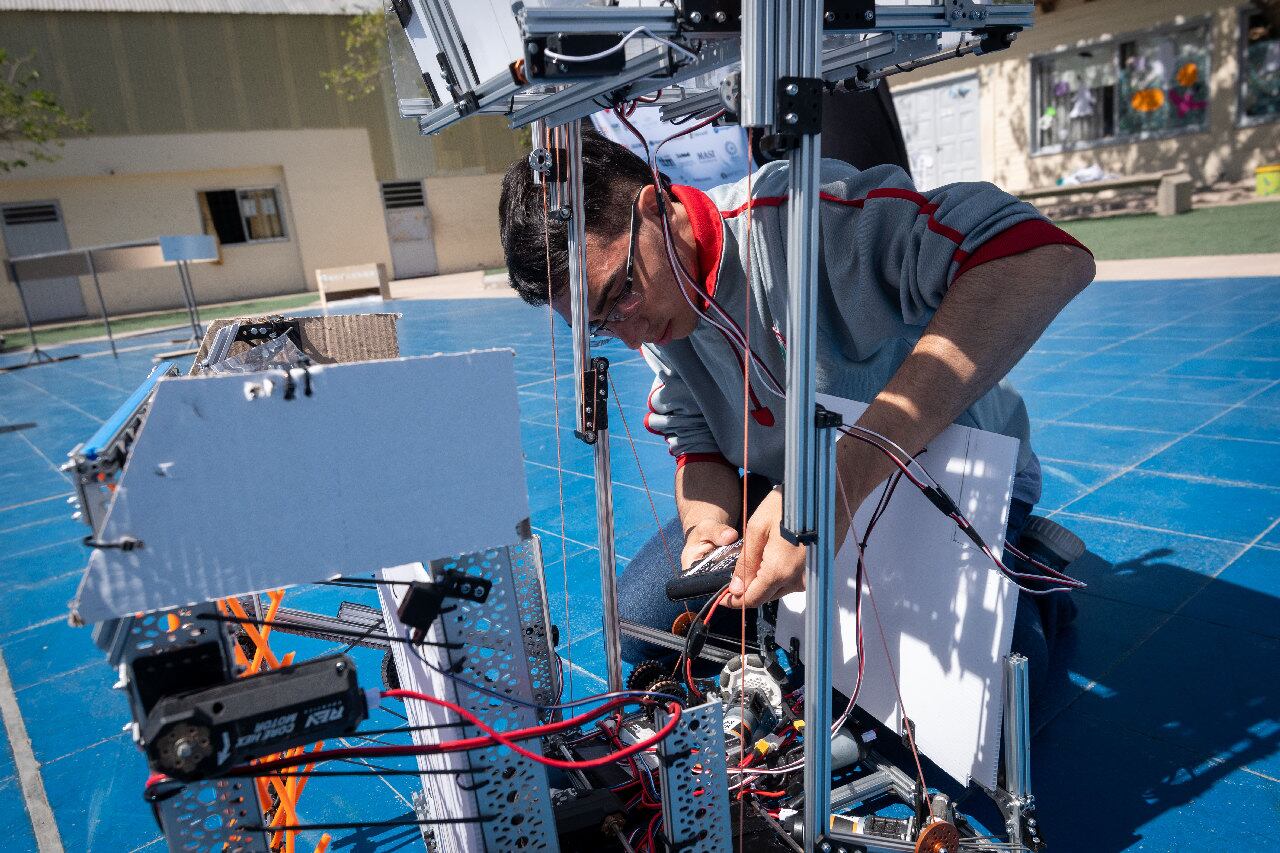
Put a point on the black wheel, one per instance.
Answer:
(1050, 542)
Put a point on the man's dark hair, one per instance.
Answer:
(611, 177)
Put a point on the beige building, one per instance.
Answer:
(1131, 86)
(211, 115)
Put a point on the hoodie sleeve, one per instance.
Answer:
(675, 415)
(913, 245)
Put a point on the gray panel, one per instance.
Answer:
(50, 299)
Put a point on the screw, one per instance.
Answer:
(824, 847)
(791, 118)
(869, 15)
(183, 749)
(696, 17)
(721, 17)
(340, 666)
(792, 89)
(829, 17)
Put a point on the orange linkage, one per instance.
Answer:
(287, 790)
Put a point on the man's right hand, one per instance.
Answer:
(703, 538)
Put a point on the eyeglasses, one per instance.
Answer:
(623, 306)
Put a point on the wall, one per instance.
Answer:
(1222, 153)
(113, 189)
(464, 215)
(181, 77)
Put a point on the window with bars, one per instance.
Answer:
(1260, 64)
(1156, 83)
(242, 215)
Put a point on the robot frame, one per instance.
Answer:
(761, 63)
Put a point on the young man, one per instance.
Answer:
(925, 302)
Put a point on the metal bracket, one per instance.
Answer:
(798, 112)
(711, 17)
(848, 14)
(595, 401)
(537, 66)
(996, 38)
(695, 786)
(269, 330)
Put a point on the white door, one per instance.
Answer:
(413, 251)
(34, 228)
(940, 126)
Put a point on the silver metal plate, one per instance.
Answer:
(695, 788)
(204, 816)
(517, 800)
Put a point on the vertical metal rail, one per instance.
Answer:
(1017, 741)
(800, 49)
(37, 354)
(598, 436)
(102, 303)
(184, 270)
(759, 62)
(818, 619)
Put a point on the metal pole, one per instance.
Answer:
(1017, 743)
(818, 619)
(191, 291)
(802, 56)
(97, 286)
(186, 298)
(37, 354)
(759, 62)
(599, 437)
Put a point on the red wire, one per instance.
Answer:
(507, 741)
(489, 739)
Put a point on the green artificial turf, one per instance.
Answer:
(1231, 230)
(61, 334)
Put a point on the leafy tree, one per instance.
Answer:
(365, 57)
(31, 120)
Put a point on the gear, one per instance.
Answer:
(937, 837)
(646, 673)
(670, 687)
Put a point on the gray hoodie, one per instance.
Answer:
(887, 255)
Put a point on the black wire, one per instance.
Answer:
(343, 579)
(372, 824)
(372, 771)
(407, 729)
(351, 645)
(688, 637)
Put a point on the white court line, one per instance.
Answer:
(42, 820)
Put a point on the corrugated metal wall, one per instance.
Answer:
(173, 73)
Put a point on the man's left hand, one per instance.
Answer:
(769, 566)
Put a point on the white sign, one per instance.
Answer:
(705, 158)
(946, 611)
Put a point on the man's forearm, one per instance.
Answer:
(987, 321)
(707, 491)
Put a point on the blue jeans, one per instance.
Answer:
(642, 599)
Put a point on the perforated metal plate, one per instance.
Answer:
(493, 655)
(500, 645)
(535, 620)
(205, 816)
(695, 788)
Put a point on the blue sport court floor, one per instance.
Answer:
(1157, 417)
